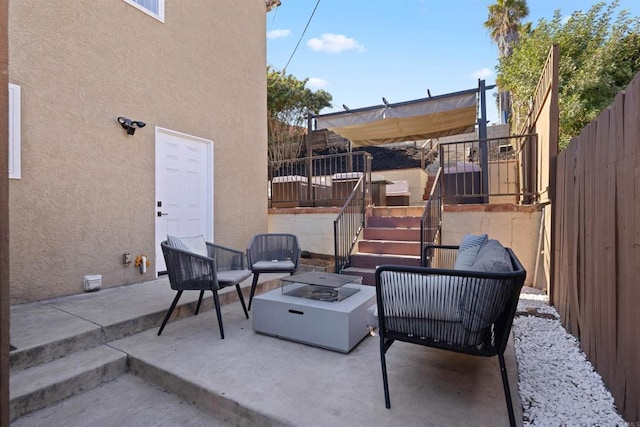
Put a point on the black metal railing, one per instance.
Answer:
(318, 181)
(348, 225)
(431, 222)
(489, 170)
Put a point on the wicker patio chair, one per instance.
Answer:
(463, 311)
(190, 271)
(272, 253)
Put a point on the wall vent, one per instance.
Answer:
(92, 282)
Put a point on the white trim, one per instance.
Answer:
(159, 16)
(15, 163)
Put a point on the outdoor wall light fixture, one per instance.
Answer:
(130, 125)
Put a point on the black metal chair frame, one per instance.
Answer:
(494, 338)
(261, 248)
(191, 271)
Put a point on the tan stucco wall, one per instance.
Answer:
(313, 226)
(416, 178)
(87, 193)
(517, 227)
(503, 179)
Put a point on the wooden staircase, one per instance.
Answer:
(391, 236)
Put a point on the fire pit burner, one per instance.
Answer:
(322, 293)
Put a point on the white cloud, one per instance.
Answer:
(276, 34)
(316, 83)
(334, 43)
(483, 73)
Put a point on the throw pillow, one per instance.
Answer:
(468, 250)
(177, 243)
(196, 244)
(492, 257)
(484, 299)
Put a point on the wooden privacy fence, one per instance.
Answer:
(596, 286)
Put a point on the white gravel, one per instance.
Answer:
(558, 385)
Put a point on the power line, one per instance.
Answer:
(300, 39)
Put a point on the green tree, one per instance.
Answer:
(504, 24)
(288, 103)
(599, 55)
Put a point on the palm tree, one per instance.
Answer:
(504, 22)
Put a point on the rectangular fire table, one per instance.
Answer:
(322, 309)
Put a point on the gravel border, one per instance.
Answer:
(558, 385)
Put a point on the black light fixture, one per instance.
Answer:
(130, 125)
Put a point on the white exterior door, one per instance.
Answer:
(184, 188)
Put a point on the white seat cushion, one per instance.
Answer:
(274, 265)
(231, 277)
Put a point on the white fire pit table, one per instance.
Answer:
(322, 309)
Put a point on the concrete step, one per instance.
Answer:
(190, 360)
(428, 187)
(368, 274)
(398, 211)
(398, 234)
(389, 247)
(363, 260)
(124, 401)
(393, 221)
(40, 386)
(61, 343)
(47, 330)
(42, 333)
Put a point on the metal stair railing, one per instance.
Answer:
(349, 224)
(431, 222)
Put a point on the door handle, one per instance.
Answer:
(162, 214)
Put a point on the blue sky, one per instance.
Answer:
(362, 50)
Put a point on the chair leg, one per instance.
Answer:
(507, 391)
(253, 288)
(241, 297)
(216, 301)
(173, 306)
(385, 380)
(199, 302)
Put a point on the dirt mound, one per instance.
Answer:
(387, 158)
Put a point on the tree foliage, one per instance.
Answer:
(505, 17)
(504, 22)
(288, 103)
(599, 55)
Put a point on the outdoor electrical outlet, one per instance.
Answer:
(126, 259)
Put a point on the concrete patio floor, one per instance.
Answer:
(250, 379)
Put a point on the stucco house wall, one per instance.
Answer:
(87, 189)
(415, 177)
(515, 226)
(313, 226)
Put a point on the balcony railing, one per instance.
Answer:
(319, 181)
(494, 170)
(348, 225)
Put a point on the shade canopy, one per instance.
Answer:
(426, 118)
